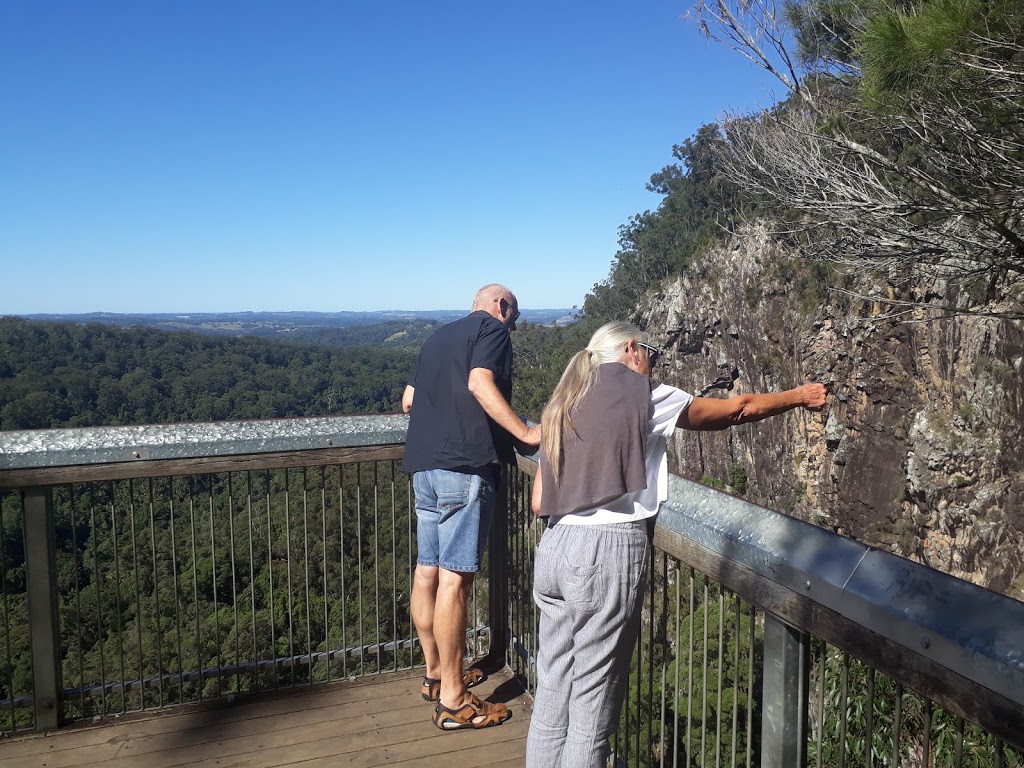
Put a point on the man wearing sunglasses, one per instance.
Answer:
(461, 431)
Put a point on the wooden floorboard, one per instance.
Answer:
(367, 722)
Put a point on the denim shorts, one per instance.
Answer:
(453, 517)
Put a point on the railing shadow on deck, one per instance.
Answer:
(146, 567)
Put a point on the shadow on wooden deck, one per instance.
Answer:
(367, 722)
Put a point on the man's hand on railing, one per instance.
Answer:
(533, 436)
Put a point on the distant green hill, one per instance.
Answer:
(290, 325)
(69, 374)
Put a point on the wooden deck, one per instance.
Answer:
(368, 722)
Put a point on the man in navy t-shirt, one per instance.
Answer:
(460, 430)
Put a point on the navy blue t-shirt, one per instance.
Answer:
(448, 428)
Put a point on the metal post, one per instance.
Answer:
(44, 625)
(497, 618)
(785, 697)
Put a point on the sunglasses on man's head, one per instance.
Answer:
(653, 353)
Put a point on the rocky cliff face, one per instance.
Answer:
(920, 449)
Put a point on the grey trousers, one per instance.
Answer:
(588, 584)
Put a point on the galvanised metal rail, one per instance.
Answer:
(144, 567)
(769, 641)
(158, 565)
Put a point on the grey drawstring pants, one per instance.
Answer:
(588, 584)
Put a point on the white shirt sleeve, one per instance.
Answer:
(668, 403)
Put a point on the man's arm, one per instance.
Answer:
(407, 395)
(483, 388)
(711, 413)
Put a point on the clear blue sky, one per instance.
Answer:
(228, 155)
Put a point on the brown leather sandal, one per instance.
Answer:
(431, 688)
(473, 714)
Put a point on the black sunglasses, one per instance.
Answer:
(515, 312)
(653, 353)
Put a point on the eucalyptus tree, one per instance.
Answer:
(899, 146)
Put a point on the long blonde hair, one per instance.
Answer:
(607, 345)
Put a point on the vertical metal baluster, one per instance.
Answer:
(9, 658)
(288, 562)
(410, 506)
(97, 577)
(177, 596)
(926, 737)
(750, 684)
(897, 726)
(376, 562)
(252, 581)
(323, 540)
(270, 571)
(644, 745)
(736, 682)
(138, 595)
(664, 659)
(195, 584)
(624, 728)
(305, 574)
(843, 702)
(117, 593)
(689, 676)
(394, 566)
(344, 594)
(721, 675)
(997, 747)
(822, 668)
(216, 604)
(870, 724)
(79, 623)
(359, 560)
(678, 652)
(234, 583)
(704, 675)
(959, 743)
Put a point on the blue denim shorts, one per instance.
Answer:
(453, 517)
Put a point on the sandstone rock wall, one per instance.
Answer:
(920, 449)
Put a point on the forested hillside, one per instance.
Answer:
(68, 375)
(867, 231)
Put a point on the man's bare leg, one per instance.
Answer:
(422, 606)
(450, 620)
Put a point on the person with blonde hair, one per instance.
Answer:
(602, 477)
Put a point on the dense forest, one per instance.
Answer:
(67, 375)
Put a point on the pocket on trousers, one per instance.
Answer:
(543, 574)
(583, 586)
(452, 492)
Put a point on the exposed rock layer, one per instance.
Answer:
(920, 449)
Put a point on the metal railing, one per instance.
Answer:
(153, 566)
(768, 641)
(147, 567)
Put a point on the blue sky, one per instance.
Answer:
(223, 155)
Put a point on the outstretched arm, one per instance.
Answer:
(483, 388)
(711, 413)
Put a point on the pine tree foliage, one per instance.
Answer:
(900, 148)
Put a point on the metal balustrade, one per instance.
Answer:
(205, 570)
(147, 567)
(768, 641)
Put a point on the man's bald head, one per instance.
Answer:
(490, 294)
(499, 302)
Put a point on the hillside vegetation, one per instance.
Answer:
(68, 375)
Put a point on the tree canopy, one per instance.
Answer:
(900, 150)
(68, 375)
